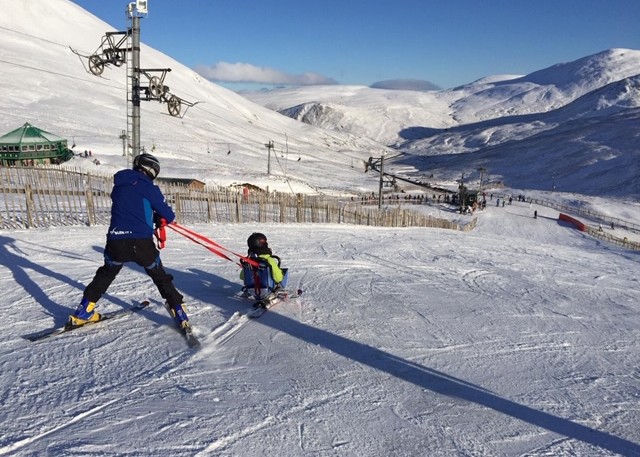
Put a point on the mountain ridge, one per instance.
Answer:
(499, 113)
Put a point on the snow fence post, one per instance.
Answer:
(28, 193)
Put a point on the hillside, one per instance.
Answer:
(221, 140)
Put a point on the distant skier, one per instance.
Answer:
(136, 204)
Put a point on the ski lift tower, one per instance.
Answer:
(135, 11)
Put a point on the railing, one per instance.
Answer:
(624, 241)
(587, 213)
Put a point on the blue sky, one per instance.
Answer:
(446, 42)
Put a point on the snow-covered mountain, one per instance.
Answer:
(579, 114)
(376, 113)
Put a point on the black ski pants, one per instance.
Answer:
(144, 253)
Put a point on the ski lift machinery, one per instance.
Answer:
(114, 49)
(108, 53)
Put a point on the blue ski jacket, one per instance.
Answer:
(135, 200)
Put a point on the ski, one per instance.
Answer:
(192, 340)
(187, 332)
(49, 333)
(262, 306)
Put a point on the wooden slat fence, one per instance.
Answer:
(620, 241)
(33, 197)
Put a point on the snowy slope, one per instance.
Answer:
(45, 84)
(519, 338)
(596, 157)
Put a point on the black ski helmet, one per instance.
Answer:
(257, 243)
(147, 164)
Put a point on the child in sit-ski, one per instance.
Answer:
(264, 281)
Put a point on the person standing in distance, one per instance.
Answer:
(137, 204)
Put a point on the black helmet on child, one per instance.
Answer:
(257, 243)
(147, 164)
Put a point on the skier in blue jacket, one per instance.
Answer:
(137, 204)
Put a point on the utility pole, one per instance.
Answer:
(381, 180)
(461, 194)
(482, 170)
(372, 164)
(269, 146)
(135, 85)
(123, 137)
(135, 11)
(286, 161)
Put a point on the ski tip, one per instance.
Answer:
(192, 341)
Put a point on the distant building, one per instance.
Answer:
(189, 183)
(29, 145)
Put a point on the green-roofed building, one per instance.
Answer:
(29, 145)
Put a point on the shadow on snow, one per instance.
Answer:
(441, 383)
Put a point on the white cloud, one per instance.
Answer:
(247, 73)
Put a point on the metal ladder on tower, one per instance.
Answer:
(129, 90)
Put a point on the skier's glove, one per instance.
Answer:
(160, 232)
(159, 221)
